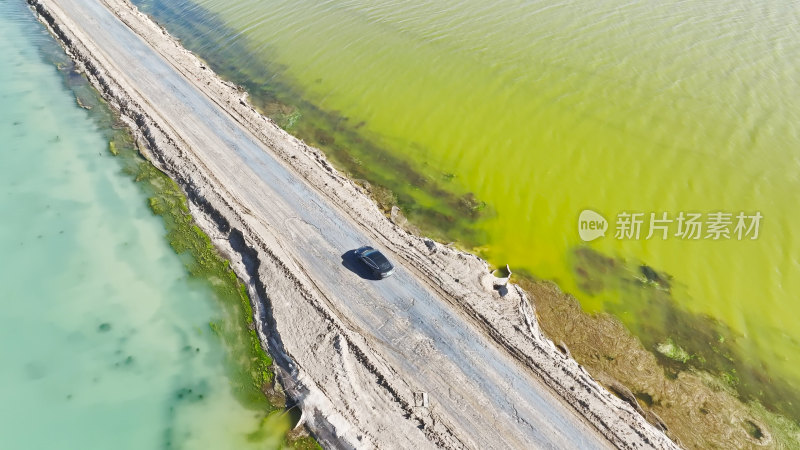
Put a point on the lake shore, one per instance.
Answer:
(275, 279)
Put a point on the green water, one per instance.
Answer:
(104, 339)
(496, 123)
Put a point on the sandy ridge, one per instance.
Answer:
(460, 278)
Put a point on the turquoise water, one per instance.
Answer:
(104, 340)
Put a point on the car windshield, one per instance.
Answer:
(380, 260)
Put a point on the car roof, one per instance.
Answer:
(379, 259)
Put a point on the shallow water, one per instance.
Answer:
(542, 109)
(104, 340)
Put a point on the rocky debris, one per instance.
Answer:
(397, 217)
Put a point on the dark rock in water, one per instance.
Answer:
(649, 273)
(105, 326)
(470, 205)
(654, 277)
(755, 431)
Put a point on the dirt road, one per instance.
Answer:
(363, 347)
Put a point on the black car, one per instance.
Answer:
(376, 261)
